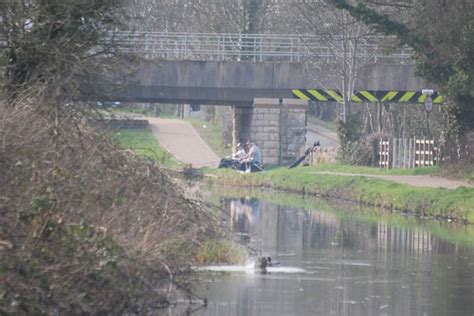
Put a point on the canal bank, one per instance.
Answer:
(334, 261)
(362, 188)
(90, 228)
(354, 260)
(411, 191)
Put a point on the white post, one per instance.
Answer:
(394, 152)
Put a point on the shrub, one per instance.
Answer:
(82, 223)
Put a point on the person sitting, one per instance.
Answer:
(239, 153)
(253, 158)
(234, 161)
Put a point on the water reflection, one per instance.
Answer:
(244, 213)
(352, 267)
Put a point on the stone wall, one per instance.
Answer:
(265, 129)
(278, 127)
(293, 130)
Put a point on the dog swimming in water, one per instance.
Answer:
(262, 263)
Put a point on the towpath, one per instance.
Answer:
(416, 181)
(326, 137)
(181, 140)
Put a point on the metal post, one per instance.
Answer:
(280, 107)
(428, 125)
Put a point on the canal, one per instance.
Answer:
(338, 262)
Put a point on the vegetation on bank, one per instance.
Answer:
(219, 251)
(345, 168)
(144, 144)
(86, 227)
(454, 204)
(432, 202)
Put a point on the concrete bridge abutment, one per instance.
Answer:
(277, 126)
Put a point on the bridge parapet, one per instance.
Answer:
(248, 47)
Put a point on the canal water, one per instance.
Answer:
(342, 263)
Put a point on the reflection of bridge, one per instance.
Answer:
(268, 79)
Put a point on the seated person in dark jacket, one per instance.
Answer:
(234, 162)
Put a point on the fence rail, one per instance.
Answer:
(407, 153)
(246, 47)
(242, 47)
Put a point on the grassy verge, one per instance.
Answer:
(212, 134)
(343, 168)
(144, 144)
(463, 171)
(134, 109)
(455, 204)
(219, 251)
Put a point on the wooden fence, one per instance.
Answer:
(407, 153)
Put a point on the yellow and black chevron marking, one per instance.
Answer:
(366, 96)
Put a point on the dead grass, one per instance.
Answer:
(83, 225)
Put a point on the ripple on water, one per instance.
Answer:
(248, 269)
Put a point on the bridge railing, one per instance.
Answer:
(243, 47)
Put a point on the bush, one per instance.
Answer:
(364, 152)
(218, 251)
(349, 133)
(85, 227)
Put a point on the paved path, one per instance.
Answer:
(417, 181)
(181, 140)
(326, 137)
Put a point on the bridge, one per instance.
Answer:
(233, 69)
(267, 79)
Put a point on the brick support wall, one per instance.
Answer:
(278, 127)
(293, 131)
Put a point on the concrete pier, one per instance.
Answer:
(277, 126)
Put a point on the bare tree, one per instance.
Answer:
(348, 45)
(206, 16)
(58, 47)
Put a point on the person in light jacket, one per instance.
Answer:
(240, 153)
(253, 158)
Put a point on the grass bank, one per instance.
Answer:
(430, 202)
(144, 144)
